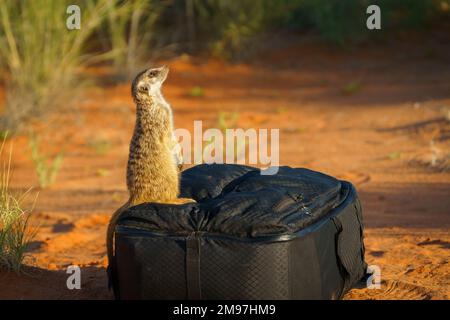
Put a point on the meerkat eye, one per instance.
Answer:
(153, 73)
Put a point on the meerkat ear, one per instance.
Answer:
(164, 71)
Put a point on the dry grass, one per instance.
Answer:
(46, 168)
(15, 232)
(41, 56)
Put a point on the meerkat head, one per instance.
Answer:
(148, 84)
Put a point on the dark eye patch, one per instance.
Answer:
(153, 73)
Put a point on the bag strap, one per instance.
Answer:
(193, 267)
(112, 267)
(351, 260)
(344, 272)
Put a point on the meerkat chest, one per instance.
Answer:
(146, 144)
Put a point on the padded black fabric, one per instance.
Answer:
(297, 234)
(239, 201)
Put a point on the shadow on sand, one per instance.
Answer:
(38, 284)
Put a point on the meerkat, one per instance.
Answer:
(154, 158)
(152, 173)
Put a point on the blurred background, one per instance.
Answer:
(368, 106)
(42, 61)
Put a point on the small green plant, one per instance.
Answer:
(281, 110)
(394, 155)
(101, 146)
(196, 92)
(103, 172)
(351, 87)
(15, 232)
(3, 134)
(302, 129)
(227, 120)
(46, 169)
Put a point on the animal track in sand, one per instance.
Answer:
(407, 291)
(392, 290)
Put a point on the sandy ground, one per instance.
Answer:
(375, 116)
